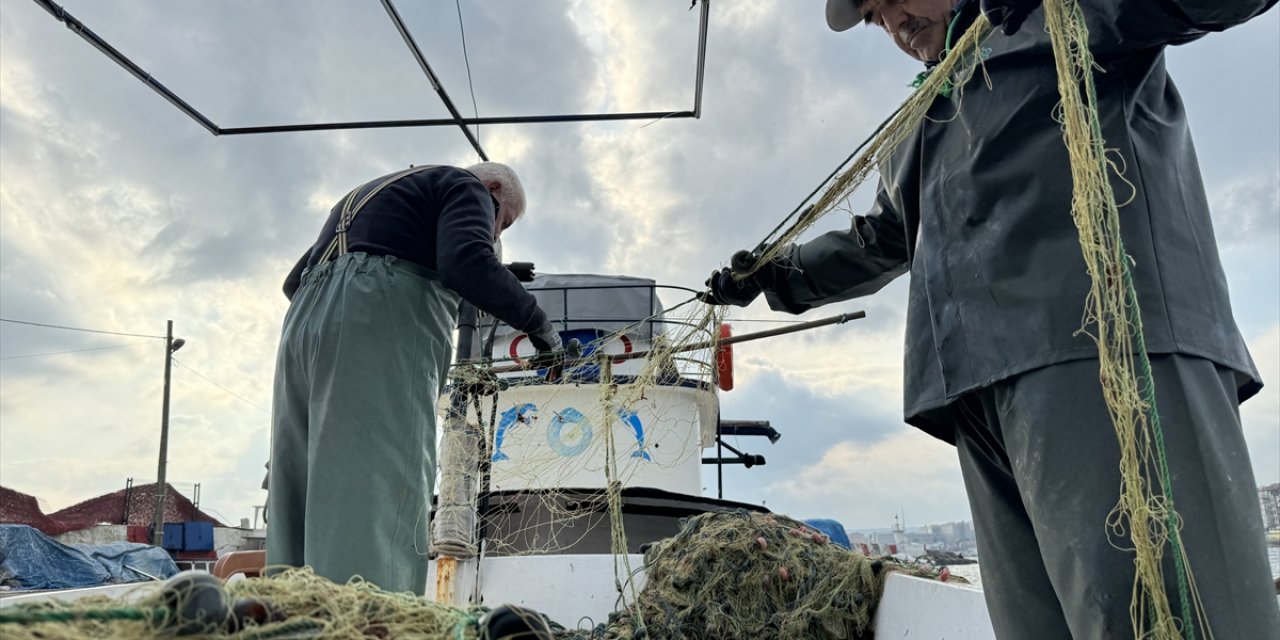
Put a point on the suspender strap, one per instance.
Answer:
(351, 208)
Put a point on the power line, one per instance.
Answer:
(58, 353)
(474, 108)
(202, 377)
(57, 326)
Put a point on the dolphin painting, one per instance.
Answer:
(632, 420)
(512, 417)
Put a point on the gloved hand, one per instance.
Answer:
(545, 339)
(1009, 13)
(723, 288)
(550, 350)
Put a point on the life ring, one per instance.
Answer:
(627, 347)
(514, 343)
(724, 360)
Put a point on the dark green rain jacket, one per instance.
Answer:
(976, 204)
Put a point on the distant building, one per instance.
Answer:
(951, 533)
(134, 505)
(1269, 501)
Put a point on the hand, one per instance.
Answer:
(1009, 13)
(723, 288)
(551, 353)
(545, 339)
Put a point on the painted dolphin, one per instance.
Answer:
(510, 418)
(632, 420)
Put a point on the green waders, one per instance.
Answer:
(1042, 469)
(365, 348)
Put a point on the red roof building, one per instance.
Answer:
(135, 505)
(19, 508)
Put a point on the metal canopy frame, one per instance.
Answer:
(457, 118)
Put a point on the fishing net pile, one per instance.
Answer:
(294, 604)
(741, 575)
(726, 575)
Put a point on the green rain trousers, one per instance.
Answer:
(365, 347)
(1042, 469)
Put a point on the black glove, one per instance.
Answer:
(1009, 13)
(723, 288)
(550, 350)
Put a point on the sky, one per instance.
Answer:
(117, 213)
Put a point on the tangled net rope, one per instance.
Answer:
(1145, 512)
(301, 605)
(737, 575)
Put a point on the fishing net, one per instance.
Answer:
(726, 575)
(293, 604)
(1144, 520)
(737, 575)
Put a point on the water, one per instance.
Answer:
(970, 571)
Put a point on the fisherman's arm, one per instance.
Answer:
(1125, 26)
(842, 265)
(468, 265)
(1211, 15)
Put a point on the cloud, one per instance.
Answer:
(865, 485)
(1261, 414)
(118, 212)
(1245, 210)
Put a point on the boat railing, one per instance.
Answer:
(635, 332)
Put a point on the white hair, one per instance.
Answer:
(511, 187)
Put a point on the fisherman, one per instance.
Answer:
(365, 349)
(976, 204)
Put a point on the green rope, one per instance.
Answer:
(945, 91)
(27, 617)
(468, 621)
(1147, 379)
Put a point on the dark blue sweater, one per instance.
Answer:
(442, 219)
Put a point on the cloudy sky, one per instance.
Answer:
(117, 212)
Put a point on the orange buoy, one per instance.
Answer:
(724, 360)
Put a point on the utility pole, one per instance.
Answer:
(170, 346)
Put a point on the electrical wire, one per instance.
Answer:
(65, 328)
(461, 29)
(206, 379)
(58, 353)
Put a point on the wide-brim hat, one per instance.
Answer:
(843, 14)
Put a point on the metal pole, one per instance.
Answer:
(455, 423)
(431, 76)
(158, 536)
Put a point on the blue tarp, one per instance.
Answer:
(832, 528)
(31, 560)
